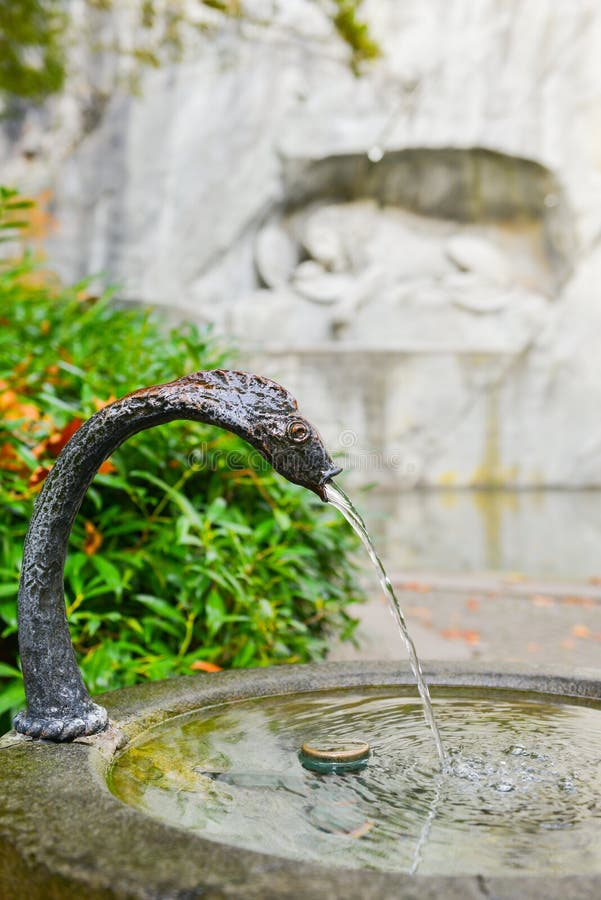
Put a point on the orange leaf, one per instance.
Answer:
(9, 460)
(38, 475)
(93, 539)
(471, 637)
(420, 612)
(581, 631)
(575, 600)
(100, 404)
(13, 407)
(39, 449)
(542, 600)
(416, 587)
(57, 441)
(107, 468)
(451, 634)
(7, 399)
(457, 634)
(201, 666)
(52, 373)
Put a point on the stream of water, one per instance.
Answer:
(339, 499)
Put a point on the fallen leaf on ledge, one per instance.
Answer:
(420, 612)
(468, 636)
(201, 666)
(574, 600)
(581, 631)
(415, 587)
(542, 600)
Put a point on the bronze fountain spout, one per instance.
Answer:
(255, 408)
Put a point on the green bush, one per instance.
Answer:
(174, 565)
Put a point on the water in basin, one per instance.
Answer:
(521, 795)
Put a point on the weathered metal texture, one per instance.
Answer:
(260, 411)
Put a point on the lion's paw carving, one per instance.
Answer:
(91, 720)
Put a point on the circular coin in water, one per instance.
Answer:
(334, 756)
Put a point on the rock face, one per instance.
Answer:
(415, 253)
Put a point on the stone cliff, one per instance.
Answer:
(414, 252)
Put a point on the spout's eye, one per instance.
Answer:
(298, 432)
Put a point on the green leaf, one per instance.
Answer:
(160, 607)
(12, 696)
(7, 671)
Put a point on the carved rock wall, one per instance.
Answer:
(414, 253)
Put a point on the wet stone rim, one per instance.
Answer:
(64, 835)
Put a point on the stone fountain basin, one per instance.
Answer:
(63, 834)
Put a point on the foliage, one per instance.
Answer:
(188, 553)
(32, 52)
(34, 35)
(355, 32)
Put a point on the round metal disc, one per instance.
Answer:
(336, 751)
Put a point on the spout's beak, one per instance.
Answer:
(320, 490)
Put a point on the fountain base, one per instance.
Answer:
(64, 834)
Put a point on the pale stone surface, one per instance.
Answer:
(276, 255)
(445, 210)
(472, 254)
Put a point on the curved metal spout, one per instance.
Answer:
(260, 411)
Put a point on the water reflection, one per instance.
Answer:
(477, 531)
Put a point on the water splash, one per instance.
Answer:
(339, 499)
